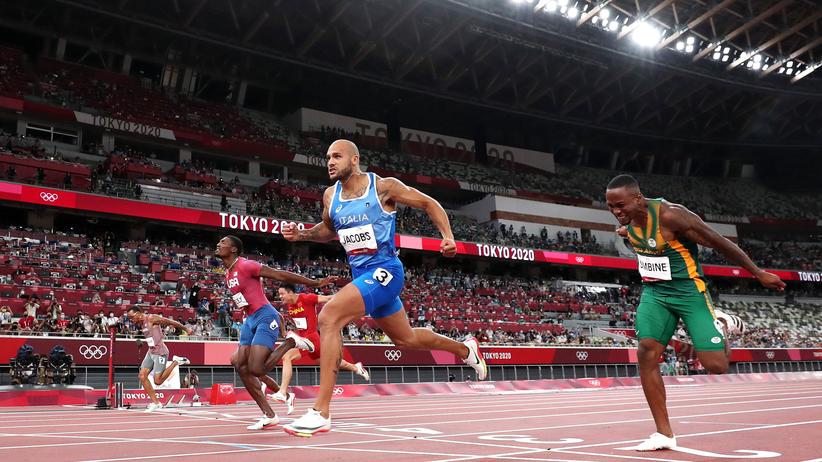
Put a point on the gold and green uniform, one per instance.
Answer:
(674, 287)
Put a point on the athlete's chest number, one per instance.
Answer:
(239, 299)
(382, 276)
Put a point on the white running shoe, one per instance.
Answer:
(474, 358)
(279, 396)
(310, 423)
(181, 360)
(264, 422)
(302, 342)
(656, 442)
(153, 407)
(363, 372)
(290, 403)
(734, 323)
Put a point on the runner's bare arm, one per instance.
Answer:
(321, 232)
(685, 223)
(394, 190)
(294, 278)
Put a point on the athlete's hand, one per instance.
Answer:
(290, 231)
(326, 281)
(770, 281)
(448, 248)
(622, 231)
(189, 331)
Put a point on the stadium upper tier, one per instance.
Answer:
(194, 184)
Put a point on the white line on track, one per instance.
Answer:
(569, 414)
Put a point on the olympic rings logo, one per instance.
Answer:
(393, 355)
(582, 355)
(93, 351)
(49, 197)
(770, 354)
(338, 391)
(580, 259)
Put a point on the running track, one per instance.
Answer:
(779, 421)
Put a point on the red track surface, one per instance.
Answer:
(772, 421)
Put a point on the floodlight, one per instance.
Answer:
(572, 12)
(646, 35)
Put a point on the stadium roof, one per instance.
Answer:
(712, 72)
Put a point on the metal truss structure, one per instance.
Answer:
(492, 54)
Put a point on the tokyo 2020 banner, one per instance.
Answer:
(15, 192)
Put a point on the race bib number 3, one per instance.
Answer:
(654, 268)
(359, 239)
(301, 323)
(239, 299)
(382, 276)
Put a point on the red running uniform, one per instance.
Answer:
(304, 315)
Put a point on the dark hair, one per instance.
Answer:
(135, 309)
(236, 242)
(289, 287)
(623, 181)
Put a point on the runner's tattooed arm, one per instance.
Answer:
(689, 225)
(321, 232)
(393, 191)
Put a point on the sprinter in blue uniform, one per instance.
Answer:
(360, 209)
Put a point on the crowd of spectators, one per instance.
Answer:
(64, 284)
(416, 223)
(125, 98)
(298, 200)
(806, 256)
(13, 80)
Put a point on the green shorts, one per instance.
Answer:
(661, 308)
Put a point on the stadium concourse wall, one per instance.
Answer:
(185, 397)
(72, 200)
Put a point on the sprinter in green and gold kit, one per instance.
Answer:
(665, 237)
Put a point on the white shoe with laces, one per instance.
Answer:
(362, 372)
(279, 396)
(263, 422)
(153, 407)
(474, 358)
(301, 342)
(656, 442)
(181, 360)
(310, 423)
